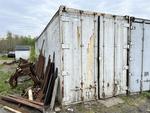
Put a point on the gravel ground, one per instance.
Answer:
(4, 111)
(7, 68)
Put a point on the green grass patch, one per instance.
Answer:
(1, 66)
(135, 100)
(145, 94)
(5, 88)
(4, 57)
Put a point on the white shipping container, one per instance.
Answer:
(87, 71)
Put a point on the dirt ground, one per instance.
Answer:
(7, 68)
(132, 104)
(135, 104)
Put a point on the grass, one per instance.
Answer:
(5, 88)
(5, 58)
(145, 94)
(133, 100)
(1, 66)
(32, 54)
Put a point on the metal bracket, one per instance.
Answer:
(125, 88)
(132, 27)
(100, 58)
(130, 74)
(65, 73)
(131, 43)
(126, 25)
(125, 67)
(65, 46)
(126, 46)
(130, 59)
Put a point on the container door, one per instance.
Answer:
(71, 59)
(146, 58)
(108, 58)
(121, 46)
(135, 60)
(79, 58)
(89, 57)
(112, 56)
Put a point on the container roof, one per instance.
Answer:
(63, 8)
(66, 9)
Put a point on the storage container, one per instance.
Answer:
(97, 55)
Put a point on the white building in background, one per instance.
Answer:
(22, 51)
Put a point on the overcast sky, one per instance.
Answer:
(29, 17)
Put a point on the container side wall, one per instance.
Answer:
(52, 44)
(38, 44)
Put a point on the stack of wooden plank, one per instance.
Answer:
(23, 101)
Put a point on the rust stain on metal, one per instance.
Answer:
(95, 90)
(63, 88)
(78, 36)
(90, 57)
(82, 97)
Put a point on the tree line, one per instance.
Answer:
(11, 40)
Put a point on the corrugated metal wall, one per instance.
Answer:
(38, 44)
(92, 51)
(52, 44)
(113, 55)
(79, 57)
(139, 78)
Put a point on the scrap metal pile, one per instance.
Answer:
(43, 92)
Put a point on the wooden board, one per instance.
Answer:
(21, 98)
(23, 102)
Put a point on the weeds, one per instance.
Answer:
(5, 88)
(32, 54)
(5, 58)
(145, 94)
